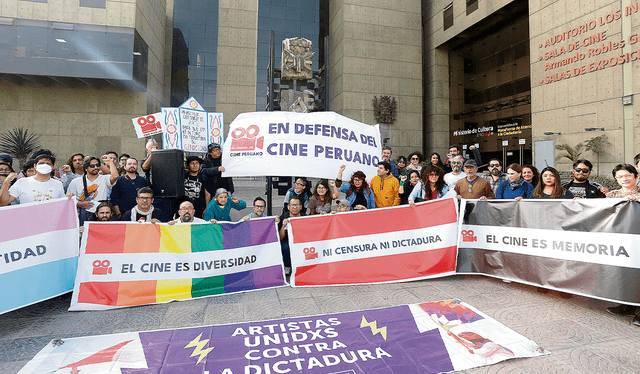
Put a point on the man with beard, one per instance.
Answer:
(72, 169)
(105, 212)
(473, 187)
(495, 175)
(450, 179)
(186, 213)
(144, 211)
(124, 192)
(194, 186)
(386, 156)
(581, 186)
(92, 186)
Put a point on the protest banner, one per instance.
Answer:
(432, 337)
(371, 246)
(189, 127)
(148, 125)
(125, 264)
(588, 247)
(291, 144)
(38, 252)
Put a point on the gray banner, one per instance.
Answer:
(608, 282)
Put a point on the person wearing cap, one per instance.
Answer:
(40, 187)
(212, 168)
(125, 191)
(343, 205)
(472, 186)
(219, 208)
(194, 186)
(5, 170)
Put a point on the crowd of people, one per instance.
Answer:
(111, 187)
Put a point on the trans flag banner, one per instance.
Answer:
(290, 144)
(126, 264)
(372, 246)
(588, 247)
(38, 252)
(432, 337)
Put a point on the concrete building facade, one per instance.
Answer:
(516, 78)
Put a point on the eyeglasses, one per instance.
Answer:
(5, 170)
(186, 209)
(144, 198)
(259, 206)
(579, 170)
(494, 165)
(456, 163)
(414, 158)
(295, 205)
(357, 180)
(300, 184)
(625, 176)
(94, 165)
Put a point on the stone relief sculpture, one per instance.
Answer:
(297, 59)
(384, 109)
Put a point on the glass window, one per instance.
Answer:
(448, 16)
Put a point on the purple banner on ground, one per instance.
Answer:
(432, 337)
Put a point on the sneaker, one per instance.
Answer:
(622, 310)
(636, 320)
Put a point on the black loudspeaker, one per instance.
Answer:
(167, 173)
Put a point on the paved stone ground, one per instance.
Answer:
(581, 335)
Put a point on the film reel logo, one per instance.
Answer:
(310, 253)
(246, 139)
(468, 236)
(102, 267)
(149, 124)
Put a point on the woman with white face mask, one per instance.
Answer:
(39, 187)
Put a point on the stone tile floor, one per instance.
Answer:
(581, 336)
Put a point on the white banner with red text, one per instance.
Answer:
(290, 144)
(373, 246)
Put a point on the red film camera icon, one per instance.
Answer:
(148, 124)
(246, 139)
(310, 253)
(102, 267)
(467, 236)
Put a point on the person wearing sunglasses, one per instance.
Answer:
(302, 191)
(580, 186)
(93, 186)
(452, 177)
(495, 175)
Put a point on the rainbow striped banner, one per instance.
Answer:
(125, 264)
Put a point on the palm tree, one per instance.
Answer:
(572, 153)
(597, 146)
(19, 143)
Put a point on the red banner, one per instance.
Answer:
(385, 245)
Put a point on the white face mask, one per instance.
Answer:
(44, 168)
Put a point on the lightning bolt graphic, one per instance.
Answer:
(374, 327)
(198, 348)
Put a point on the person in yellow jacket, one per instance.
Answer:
(385, 186)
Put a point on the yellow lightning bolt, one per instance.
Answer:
(199, 345)
(374, 327)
